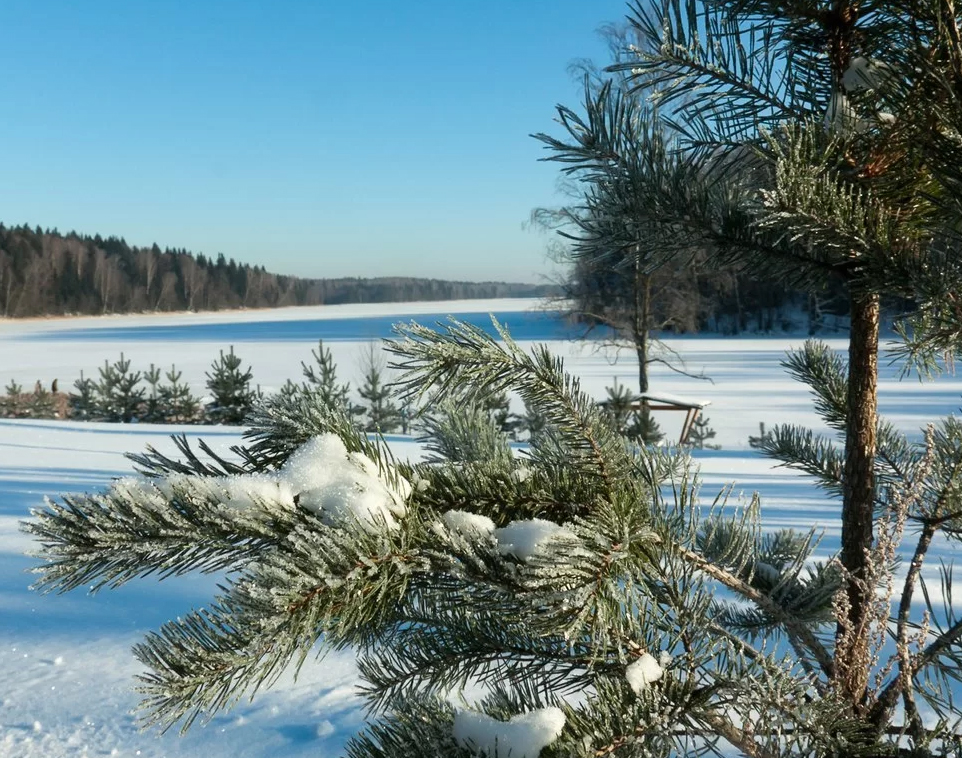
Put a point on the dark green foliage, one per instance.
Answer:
(83, 402)
(498, 407)
(152, 411)
(532, 422)
(41, 403)
(230, 386)
(382, 414)
(13, 404)
(119, 396)
(321, 380)
(289, 388)
(321, 377)
(756, 442)
(176, 403)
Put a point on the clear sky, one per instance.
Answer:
(317, 138)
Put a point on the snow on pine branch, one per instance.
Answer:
(523, 736)
(320, 476)
(522, 539)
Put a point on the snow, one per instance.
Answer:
(523, 736)
(643, 672)
(672, 399)
(66, 659)
(343, 487)
(863, 73)
(525, 539)
(469, 525)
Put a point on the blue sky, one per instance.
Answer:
(315, 138)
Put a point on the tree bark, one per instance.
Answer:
(641, 322)
(853, 633)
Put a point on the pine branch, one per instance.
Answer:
(153, 463)
(465, 362)
(801, 637)
(135, 530)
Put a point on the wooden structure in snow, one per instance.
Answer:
(663, 401)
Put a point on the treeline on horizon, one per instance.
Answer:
(45, 273)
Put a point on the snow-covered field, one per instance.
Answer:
(66, 672)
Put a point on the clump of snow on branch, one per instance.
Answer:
(521, 539)
(468, 525)
(247, 491)
(341, 486)
(523, 736)
(645, 670)
(522, 473)
(524, 539)
(320, 476)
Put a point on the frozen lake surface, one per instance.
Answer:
(68, 674)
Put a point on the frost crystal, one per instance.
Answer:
(644, 671)
(523, 539)
(523, 736)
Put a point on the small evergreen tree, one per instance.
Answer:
(119, 396)
(41, 403)
(290, 388)
(15, 403)
(498, 407)
(176, 403)
(152, 403)
(84, 404)
(383, 414)
(760, 440)
(533, 422)
(700, 433)
(230, 386)
(322, 378)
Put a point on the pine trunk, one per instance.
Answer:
(641, 322)
(852, 634)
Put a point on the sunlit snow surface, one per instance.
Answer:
(66, 671)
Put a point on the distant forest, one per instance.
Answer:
(48, 273)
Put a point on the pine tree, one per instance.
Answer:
(817, 145)
(383, 415)
(152, 403)
(533, 422)
(41, 403)
(230, 386)
(498, 406)
(700, 432)
(607, 609)
(176, 403)
(119, 396)
(321, 377)
(13, 404)
(83, 403)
